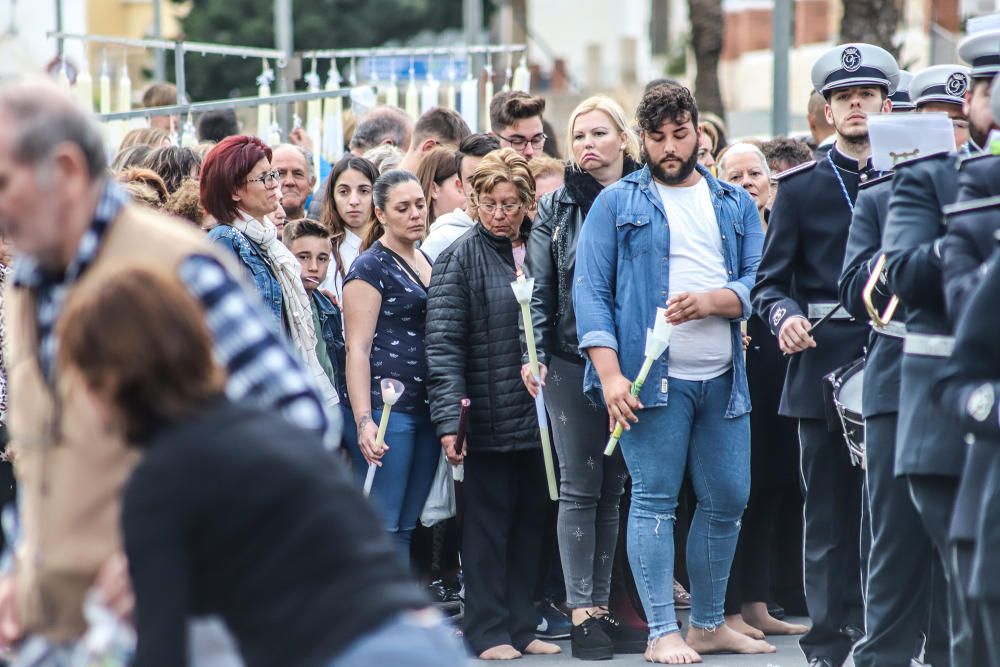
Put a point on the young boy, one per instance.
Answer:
(309, 241)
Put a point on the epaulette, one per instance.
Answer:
(973, 158)
(921, 158)
(972, 205)
(881, 179)
(797, 169)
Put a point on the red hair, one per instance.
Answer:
(225, 170)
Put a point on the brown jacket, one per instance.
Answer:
(70, 471)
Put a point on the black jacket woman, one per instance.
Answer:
(604, 148)
(473, 351)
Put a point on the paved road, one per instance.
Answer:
(788, 655)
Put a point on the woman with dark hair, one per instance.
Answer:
(473, 351)
(174, 164)
(239, 189)
(385, 307)
(347, 213)
(214, 477)
(438, 176)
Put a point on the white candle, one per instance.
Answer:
(105, 88)
(487, 98)
(314, 120)
(412, 99)
(333, 119)
(392, 92)
(85, 89)
(522, 76)
(124, 91)
(430, 95)
(469, 102)
(263, 110)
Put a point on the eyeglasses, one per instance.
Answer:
(518, 143)
(490, 209)
(266, 178)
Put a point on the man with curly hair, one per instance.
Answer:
(671, 236)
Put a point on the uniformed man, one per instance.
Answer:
(969, 390)
(928, 446)
(969, 242)
(980, 51)
(902, 556)
(797, 285)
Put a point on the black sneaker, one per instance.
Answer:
(589, 641)
(624, 638)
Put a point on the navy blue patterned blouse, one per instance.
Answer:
(398, 346)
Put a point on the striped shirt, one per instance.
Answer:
(262, 371)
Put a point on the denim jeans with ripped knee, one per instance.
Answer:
(692, 435)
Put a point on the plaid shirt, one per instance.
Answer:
(261, 369)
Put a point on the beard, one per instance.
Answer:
(674, 176)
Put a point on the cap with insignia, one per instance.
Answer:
(941, 83)
(901, 100)
(850, 65)
(981, 49)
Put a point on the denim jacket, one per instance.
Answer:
(252, 257)
(332, 329)
(623, 270)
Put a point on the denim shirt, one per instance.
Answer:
(252, 257)
(623, 270)
(331, 323)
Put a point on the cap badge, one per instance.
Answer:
(851, 59)
(957, 84)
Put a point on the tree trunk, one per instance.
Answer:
(707, 28)
(871, 22)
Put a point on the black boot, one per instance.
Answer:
(590, 642)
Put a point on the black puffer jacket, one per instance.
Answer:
(551, 260)
(473, 347)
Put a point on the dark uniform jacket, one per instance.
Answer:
(801, 265)
(927, 441)
(968, 391)
(473, 348)
(965, 251)
(864, 243)
(969, 242)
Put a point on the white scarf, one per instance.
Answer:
(298, 309)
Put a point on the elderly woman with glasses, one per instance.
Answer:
(240, 189)
(773, 442)
(474, 352)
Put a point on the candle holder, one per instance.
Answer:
(392, 390)
(522, 292)
(657, 341)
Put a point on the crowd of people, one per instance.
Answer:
(213, 354)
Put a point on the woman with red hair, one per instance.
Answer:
(240, 190)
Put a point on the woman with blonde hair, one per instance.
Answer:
(603, 148)
(474, 352)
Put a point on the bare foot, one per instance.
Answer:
(671, 650)
(756, 615)
(724, 639)
(538, 647)
(737, 623)
(502, 652)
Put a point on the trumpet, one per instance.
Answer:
(879, 320)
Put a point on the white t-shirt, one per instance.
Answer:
(350, 248)
(700, 349)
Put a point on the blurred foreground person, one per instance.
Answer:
(73, 226)
(215, 475)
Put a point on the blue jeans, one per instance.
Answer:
(402, 483)
(689, 434)
(414, 639)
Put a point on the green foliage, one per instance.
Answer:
(317, 24)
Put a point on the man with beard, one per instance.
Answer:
(672, 236)
(796, 287)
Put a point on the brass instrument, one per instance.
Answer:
(879, 320)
